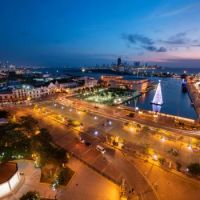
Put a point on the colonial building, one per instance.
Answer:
(119, 82)
(26, 92)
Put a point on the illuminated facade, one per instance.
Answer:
(27, 93)
(119, 82)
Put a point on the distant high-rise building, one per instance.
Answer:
(136, 63)
(119, 61)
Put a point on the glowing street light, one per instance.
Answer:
(62, 107)
(96, 132)
(155, 157)
(163, 139)
(136, 108)
(95, 117)
(190, 147)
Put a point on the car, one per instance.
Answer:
(82, 140)
(195, 149)
(101, 149)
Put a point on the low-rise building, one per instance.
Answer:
(9, 178)
(119, 82)
(26, 92)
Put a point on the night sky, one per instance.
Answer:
(86, 32)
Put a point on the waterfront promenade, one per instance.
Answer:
(194, 92)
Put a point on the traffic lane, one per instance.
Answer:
(186, 155)
(117, 129)
(87, 184)
(71, 113)
(92, 155)
(132, 176)
(105, 110)
(169, 185)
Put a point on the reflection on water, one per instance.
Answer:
(175, 102)
(156, 108)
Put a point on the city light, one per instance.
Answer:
(136, 108)
(163, 139)
(155, 157)
(96, 132)
(190, 147)
(103, 85)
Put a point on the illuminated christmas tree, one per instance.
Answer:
(157, 99)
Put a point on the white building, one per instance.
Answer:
(27, 92)
(9, 178)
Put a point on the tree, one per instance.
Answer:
(30, 196)
(194, 169)
(29, 124)
(44, 135)
(4, 114)
(131, 114)
(145, 129)
(138, 126)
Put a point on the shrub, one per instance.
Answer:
(30, 196)
(194, 169)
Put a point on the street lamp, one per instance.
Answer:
(135, 101)
(190, 147)
(163, 139)
(96, 132)
(155, 157)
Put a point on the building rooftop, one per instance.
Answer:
(7, 170)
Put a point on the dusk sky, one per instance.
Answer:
(78, 32)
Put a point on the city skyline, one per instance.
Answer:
(92, 32)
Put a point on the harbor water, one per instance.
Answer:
(175, 101)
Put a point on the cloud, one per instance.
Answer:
(137, 38)
(177, 39)
(181, 39)
(175, 42)
(182, 62)
(167, 12)
(155, 49)
(196, 45)
(143, 42)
